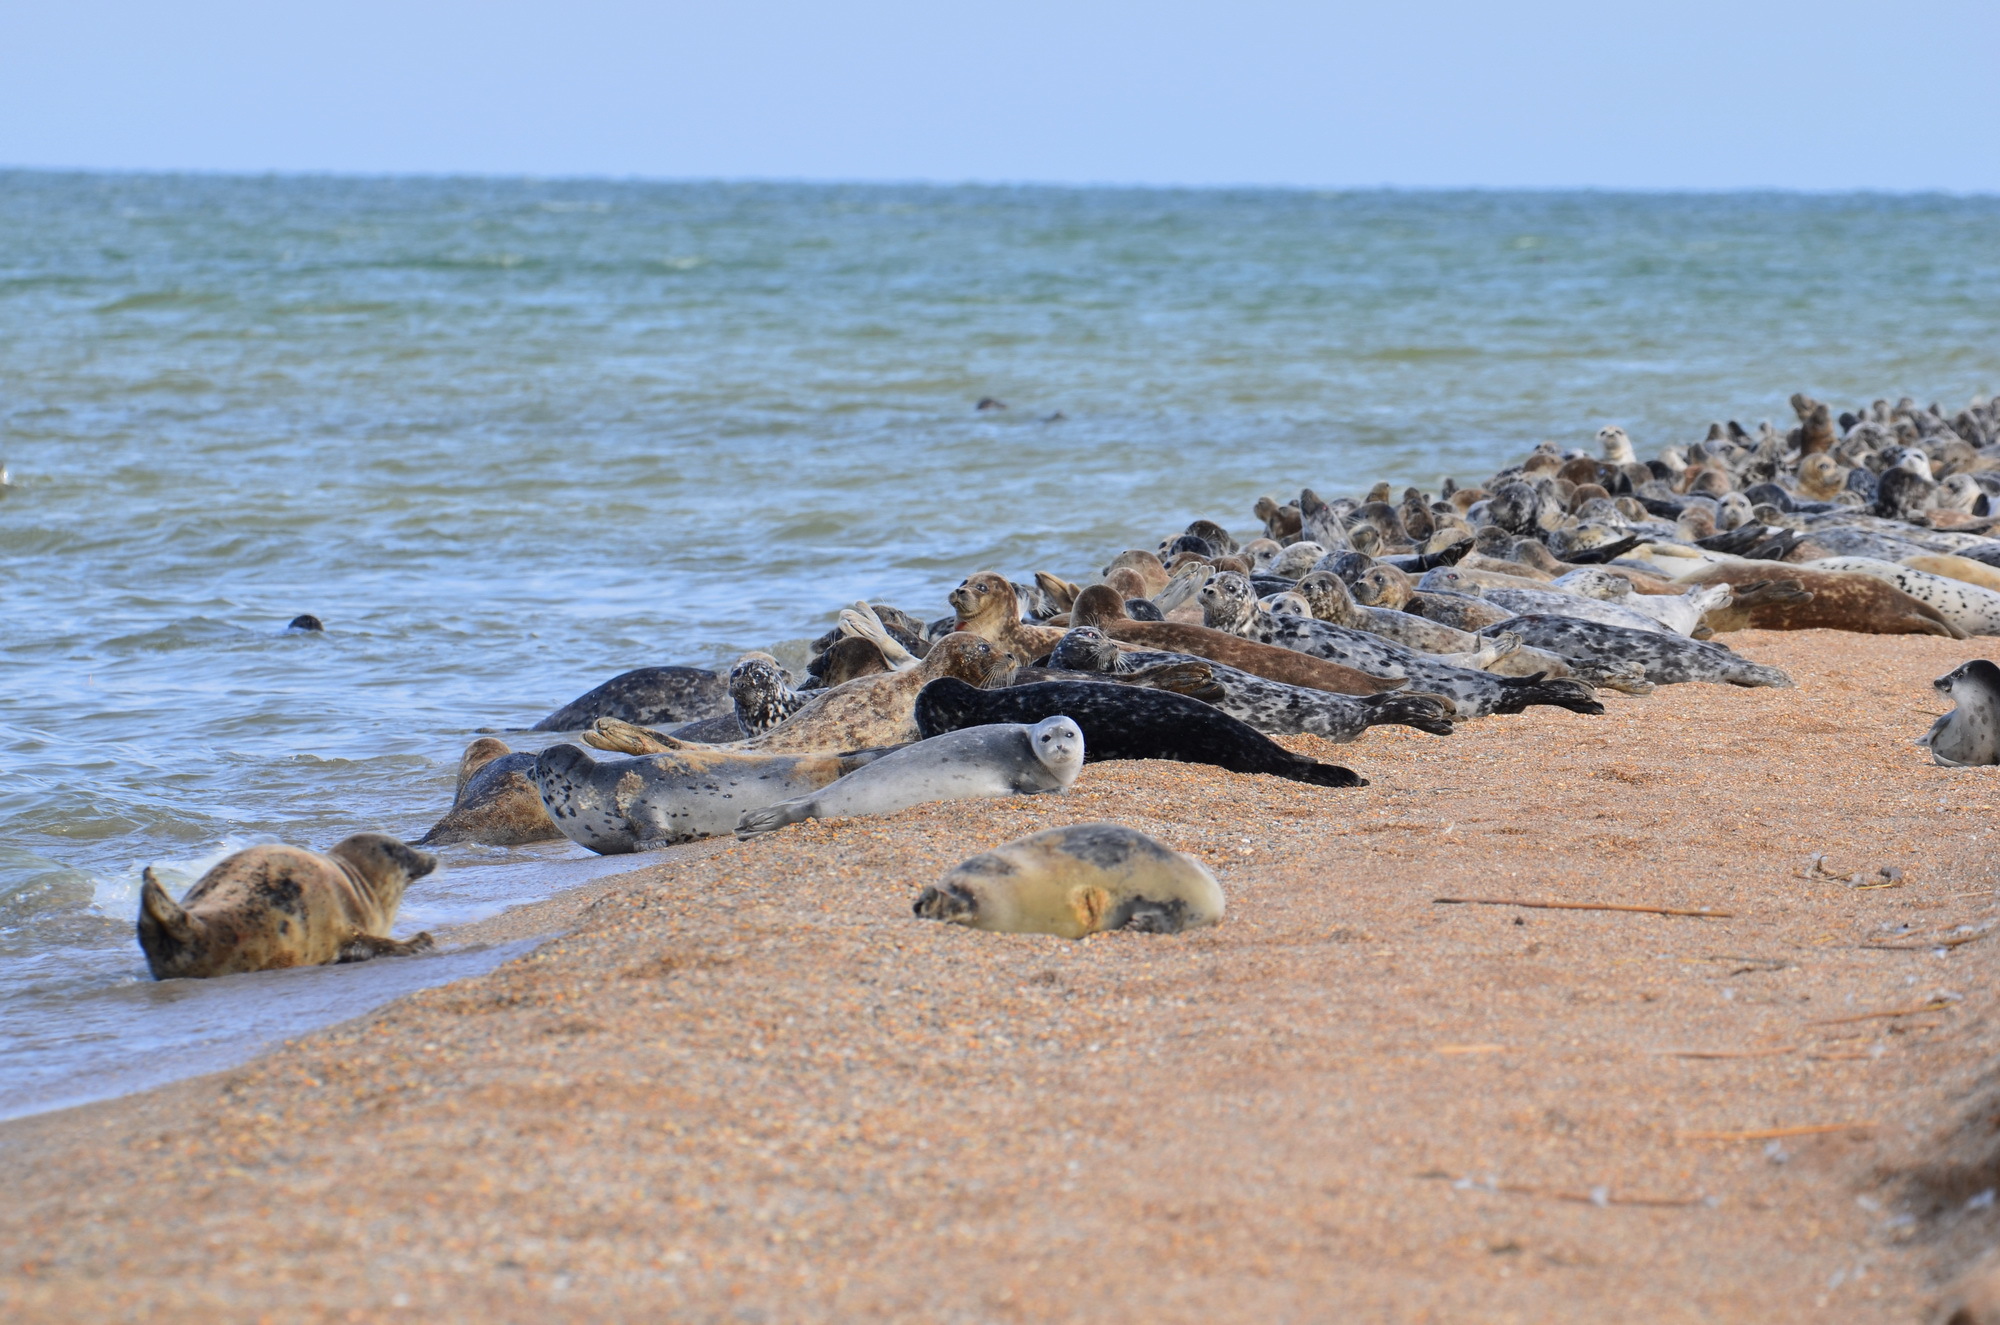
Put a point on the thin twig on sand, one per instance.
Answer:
(1773, 1133)
(1707, 912)
(1935, 1005)
(1596, 1196)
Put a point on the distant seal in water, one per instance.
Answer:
(1098, 606)
(305, 621)
(496, 803)
(1833, 601)
(1076, 881)
(988, 606)
(1970, 734)
(276, 906)
(1124, 722)
(638, 803)
(1668, 658)
(1271, 707)
(649, 696)
(1004, 759)
(1966, 606)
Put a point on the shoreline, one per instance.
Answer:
(743, 1078)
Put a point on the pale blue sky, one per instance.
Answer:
(1830, 94)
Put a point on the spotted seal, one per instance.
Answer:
(1227, 600)
(495, 803)
(274, 906)
(1681, 613)
(637, 803)
(1269, 706)
(1668, 658)
(1966, 606)
(1122, 722)
(650, 696)
(1004, 759)
(1969, 734)
(1077, 881)
(875, 710)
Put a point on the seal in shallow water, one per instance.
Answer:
(1125, 722)
(496, 803)
(649, 696)
(1076, 881)
(637, 803)
(1969, 734)
(1004, 759)
(276, 906)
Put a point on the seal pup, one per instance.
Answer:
(1668, 659)
(1005, 759)
(638, 803)
(1122, 722)
(649, 696)
(1076, 881)
(988, 607)
(495, 803)
(1966, 606)
(1097, 606)
(1969, 734)
(1269, 706)
(276, 906)
(1227, 601)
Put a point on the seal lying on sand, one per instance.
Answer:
(496, 803)
(276, 906)
(1824, 600)
(1005, 759)
(1967, 606)
(1075, 881)
(648, 696)
(1122, 722)
(1098, 606)
(1268, 706)
(1970, 734)
(639, 803)
(1667, 658)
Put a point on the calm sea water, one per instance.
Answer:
(509, 437)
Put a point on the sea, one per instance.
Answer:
(509, 437)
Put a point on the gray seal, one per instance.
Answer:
(1667, 658)
(1969, 734)
(1004, 759)
(641, 802)
(648, 696)
(496, 803)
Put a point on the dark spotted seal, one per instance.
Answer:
(649, 696)
(1668, 658)
(276, 906)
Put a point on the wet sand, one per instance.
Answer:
(747, 1085)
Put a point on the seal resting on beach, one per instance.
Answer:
(618, 806)
(1124, 722)
(496, 803)
(1969, 735)
(988, 607)
(1002, 759)
(1076, 881)
(1831, 600)
(645, 695)
(276, 906)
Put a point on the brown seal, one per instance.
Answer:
(496, 803)
(988, 607)
(877, 710)
(276, 906)
(1099, 606)
(1150, 569)
(1840, 601)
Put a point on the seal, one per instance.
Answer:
(1005, 759)
(1667, 658)
(638, 803)
(1103, 610)
(1228, 602)
(307, 622)
(1966, 606)
(495, 803)
(274, 906)
(1970, 734)
(1124, 722)
(1269, 706)
(1954, 567)
(872, 711)
(1830, 601)
(1077, 881)
(988, 607)
(761, 691)
(650, 696)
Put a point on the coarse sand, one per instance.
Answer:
(748, 1085)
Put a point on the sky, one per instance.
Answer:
(1833, 94)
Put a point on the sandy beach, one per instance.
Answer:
(747, 1085)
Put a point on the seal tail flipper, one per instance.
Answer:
(362, 947)
(1424, 712)
(769, 819)
(1196, 680)
(860, 622)
(169, 925)
(621, 737)
(1330, 775)
(1528, 691)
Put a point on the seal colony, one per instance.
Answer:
(1575, 571)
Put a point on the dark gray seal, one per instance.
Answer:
(648, 696)
(1667, 658)
(1969, 735)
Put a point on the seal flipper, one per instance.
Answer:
(621, 737)
(1526, 691)
(1426, 713)
(167, 934)
(362, 947)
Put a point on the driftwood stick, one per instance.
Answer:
(1935, 1005)
(1728, 1053)
(1956, 941)
(1704, 911)
(1773, 1133)
(1601, 1196)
